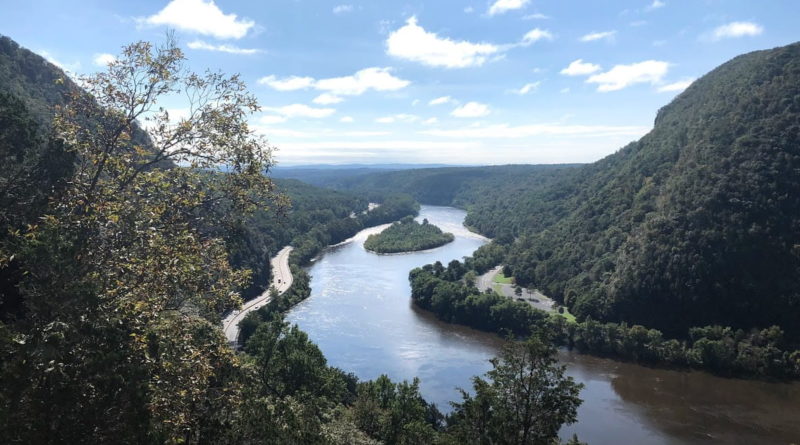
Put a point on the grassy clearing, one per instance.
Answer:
(502, 279)
(570, 318)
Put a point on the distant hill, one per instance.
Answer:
(331, 174)
(458, 186)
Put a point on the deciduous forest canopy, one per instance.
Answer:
(407, 235)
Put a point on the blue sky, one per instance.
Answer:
(457, 82)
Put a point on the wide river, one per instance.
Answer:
(361, 316)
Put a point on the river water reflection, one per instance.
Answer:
(360, 315)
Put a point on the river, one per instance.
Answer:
(361, 316)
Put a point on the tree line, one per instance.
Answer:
(450, 293)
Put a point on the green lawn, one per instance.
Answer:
(502, 279)
(570, 318)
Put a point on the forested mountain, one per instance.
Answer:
(324, 174)
(696, 223)
(459, 186)
(29, 77)
(252, 242)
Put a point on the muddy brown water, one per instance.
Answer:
(360, 315)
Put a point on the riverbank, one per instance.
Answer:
(359, 315)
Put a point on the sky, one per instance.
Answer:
(439, 81)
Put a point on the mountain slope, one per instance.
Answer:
(696, 223)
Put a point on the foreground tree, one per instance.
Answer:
(526, 399)
(120, 283)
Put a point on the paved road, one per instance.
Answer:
(486, 280)
(281, 280)
(533, 297)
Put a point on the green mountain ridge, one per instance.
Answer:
(696, 223)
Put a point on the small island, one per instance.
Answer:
(408, 235)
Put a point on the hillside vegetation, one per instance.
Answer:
(118, 255)
(407, 235)
(697, 223)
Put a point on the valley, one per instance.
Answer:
(360, 315)
(381, 223)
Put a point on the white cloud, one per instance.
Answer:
(736, 29)
(347, 120)
(225, 48)
(591, 37)
(290, 83)
(269, 119)
(378, 79)
(104, 59)
(565, 90)
(535, 35)
(622, 76)
(342, 9)
(580, 68)
(200, 16)
(362, 134)
(441, 100)
(412, 42)
(505, 131)
(397, 118)
(471, 109)
(656, 4)
(430, 121)
(301, 110)
(536, 16)
(327, 99)
(527, 88)
(675, 86)
(469, 10)
(502, 6)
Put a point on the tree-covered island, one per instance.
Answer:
(408, 235)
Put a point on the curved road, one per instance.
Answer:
(533, 297)
(281, 281)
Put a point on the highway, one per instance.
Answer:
(281, 281)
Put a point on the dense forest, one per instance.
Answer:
(119, 253)
(407, 235)
(313, 218)
(450, 293)
(457, 186)
(695, 224)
